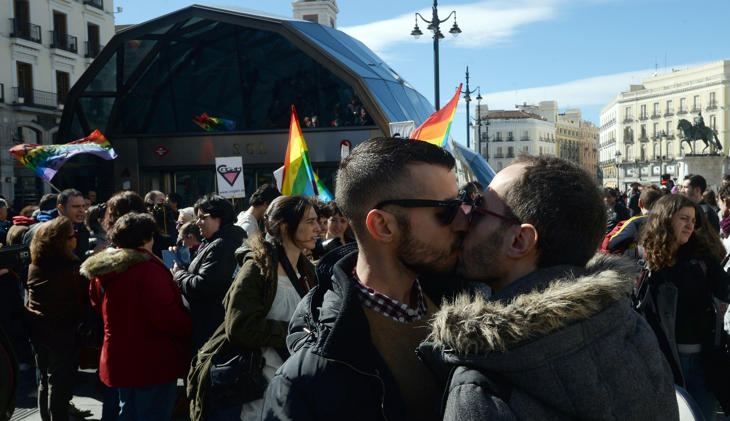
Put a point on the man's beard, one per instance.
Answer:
(422, 258)
(481, 262)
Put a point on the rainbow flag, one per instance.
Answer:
(299, 177)
(436, 128)
(214, 124)
(46, 160)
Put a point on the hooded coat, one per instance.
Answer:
(572, 347)
(146, 329)
(207, 279)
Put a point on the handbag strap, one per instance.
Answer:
(301, 284)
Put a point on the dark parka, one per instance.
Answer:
(335, 372)
(246, 305)
(207, 279)
(570, 347)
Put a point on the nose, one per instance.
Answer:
(461, 221)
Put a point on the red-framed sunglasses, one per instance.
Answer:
(477, 206)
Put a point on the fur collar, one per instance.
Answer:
(471, 325)
(112, 260)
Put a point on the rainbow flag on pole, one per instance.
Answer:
(299, 177)
(436, 128)
(46, 160)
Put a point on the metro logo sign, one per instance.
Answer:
(161, 151)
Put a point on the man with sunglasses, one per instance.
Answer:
(353, 338)
(558, 338)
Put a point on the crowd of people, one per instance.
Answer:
(541, 296)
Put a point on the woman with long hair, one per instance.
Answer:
(273, 278)
(146, 329)
(55, 309)
(683, 255)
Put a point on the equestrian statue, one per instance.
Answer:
(690, 133)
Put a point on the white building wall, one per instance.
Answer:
(36, 121)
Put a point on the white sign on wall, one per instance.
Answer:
(229, 176)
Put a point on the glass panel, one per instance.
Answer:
(97, 110)
(106, 79)
(193, 184)
(386, 100)
(135, 51)
(76, 131)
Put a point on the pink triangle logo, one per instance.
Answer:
(230, 174)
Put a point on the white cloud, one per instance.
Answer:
(592, 91)
(484, 24)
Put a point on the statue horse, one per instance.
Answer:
(691, 133)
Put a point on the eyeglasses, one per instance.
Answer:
(477, 206)
(202, 217)
(449, 207)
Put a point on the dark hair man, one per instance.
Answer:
(633, 204)
(693, 186)
(628, 234)
(558, 339)
(615, 209)
(70, 203)
(353, 338)
(260, 199)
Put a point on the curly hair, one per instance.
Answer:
(50, 241)
(660, 243)
(287, 210)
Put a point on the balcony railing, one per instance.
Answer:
(696, 109)
(654, 116)
(670, 112)
(497, 139)
(25, 30)
(64, 41)
(643, 117)
(681, 111)
(524, 139)
(93, 49)
(499, 155)
(510, 155)
(629, 139)
(510, 139)
(643, 138)
(628, 120)
(99, 4)
(32, 97)
(712, 106)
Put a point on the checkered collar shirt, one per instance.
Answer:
(389, 307)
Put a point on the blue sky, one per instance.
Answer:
(578, 52)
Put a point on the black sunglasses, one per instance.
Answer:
(477, 206)
(449, 207)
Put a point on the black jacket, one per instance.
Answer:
(335, 372)
(712, 217)
(207, 279)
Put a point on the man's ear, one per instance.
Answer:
(60, 209)
(524, 242)
(381, 225)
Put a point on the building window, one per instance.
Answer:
(311, 18)
(93, 44)
(683, 105)
(62, 86)
(670, 110)
(525, 135)
(499, 153)
(696, 103)
(510, 137)
(525, 149)
(499, 137)
(643, 131)
(643, 153)
(629, 152)
(657, 149)
(656, 110)
(643, 111)
(627, 114)
(25, 82)
(655, 130)
(713, 122)
(713, 104)
(669, 150)
(511, 152)
(670, 128)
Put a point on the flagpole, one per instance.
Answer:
(54, 187)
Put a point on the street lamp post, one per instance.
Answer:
(618, 170)
(478, 142)
(467, 99)
(434, 26)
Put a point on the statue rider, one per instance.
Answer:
(699, 123)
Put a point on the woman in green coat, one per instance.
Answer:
(274, 275)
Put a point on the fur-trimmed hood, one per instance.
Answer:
(112, 260)
(572, 348)
(471, 324)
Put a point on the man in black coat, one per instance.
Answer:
(353, 337)
(693, 186)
